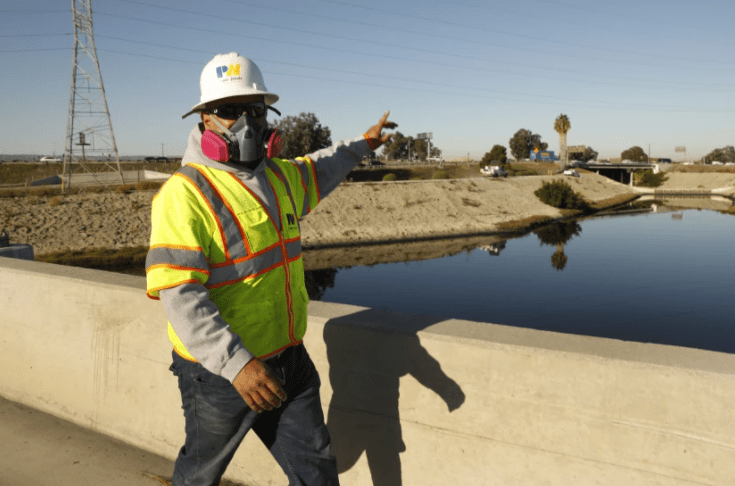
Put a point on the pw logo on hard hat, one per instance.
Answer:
(232, 70)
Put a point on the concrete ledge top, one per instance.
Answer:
(73, 273)
(490, 334)
(478, 333)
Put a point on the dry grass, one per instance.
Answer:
(702, 168)
(470, 202)
(613, 201)
(525, 224)
(111, 259)
(20, 173)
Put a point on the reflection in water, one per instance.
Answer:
(318, 281)
(558, 234)
(494, 249)
(632, 278)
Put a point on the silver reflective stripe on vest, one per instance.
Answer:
(178, 257)
(304, 169)
(233, 239)
(293, 249)
(272, 165)
(245, 268)
(301, 164)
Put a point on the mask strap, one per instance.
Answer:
(222, 127)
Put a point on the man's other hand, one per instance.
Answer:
(258, 387)
(374, 136)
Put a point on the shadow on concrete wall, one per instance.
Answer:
(364, 370)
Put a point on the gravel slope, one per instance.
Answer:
(354, 213)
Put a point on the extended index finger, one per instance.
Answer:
(385, 117)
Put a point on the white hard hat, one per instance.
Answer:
(230, 75)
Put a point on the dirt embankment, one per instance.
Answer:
(353, 214)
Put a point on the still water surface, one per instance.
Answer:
(666, 278)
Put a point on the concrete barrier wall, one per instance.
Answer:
(408, 399)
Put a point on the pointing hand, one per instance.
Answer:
(374, 136)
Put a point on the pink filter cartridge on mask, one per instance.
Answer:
(214, 147)
(275, 144)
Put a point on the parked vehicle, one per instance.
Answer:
(494, 171)
(49, 160)
(572, 172)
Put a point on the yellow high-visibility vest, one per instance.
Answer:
(208, 227)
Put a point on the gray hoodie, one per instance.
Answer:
(193, 316)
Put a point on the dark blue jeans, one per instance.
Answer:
(217, 419)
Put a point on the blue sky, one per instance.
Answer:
(471, 72)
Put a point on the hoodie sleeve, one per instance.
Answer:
(331, 165)
(200, 327)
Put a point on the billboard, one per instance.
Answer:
(542, 155)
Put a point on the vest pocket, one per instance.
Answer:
(258, 227)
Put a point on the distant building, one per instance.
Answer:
(546, 155)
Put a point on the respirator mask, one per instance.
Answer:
(245, 141)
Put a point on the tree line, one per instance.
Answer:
(304, 134)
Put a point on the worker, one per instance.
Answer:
(225, 261)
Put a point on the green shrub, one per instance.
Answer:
(561, 195)
(648, 179)
(497, 156)
(389, 177)
(440, 175)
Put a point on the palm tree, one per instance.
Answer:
(559, 259)
(562, 126)
(557, 234)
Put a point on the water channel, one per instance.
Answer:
(661, 274)
(665, 277)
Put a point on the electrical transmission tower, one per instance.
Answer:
(89, 127)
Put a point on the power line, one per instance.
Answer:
(35, 11)
(38, 50)
(502, 95)
(347, 72)
(435, 35)
(311, 67)
(658, 81)
(372, 8)
(615, 106)
(426, 51)
(398, 78)
(35, 35)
